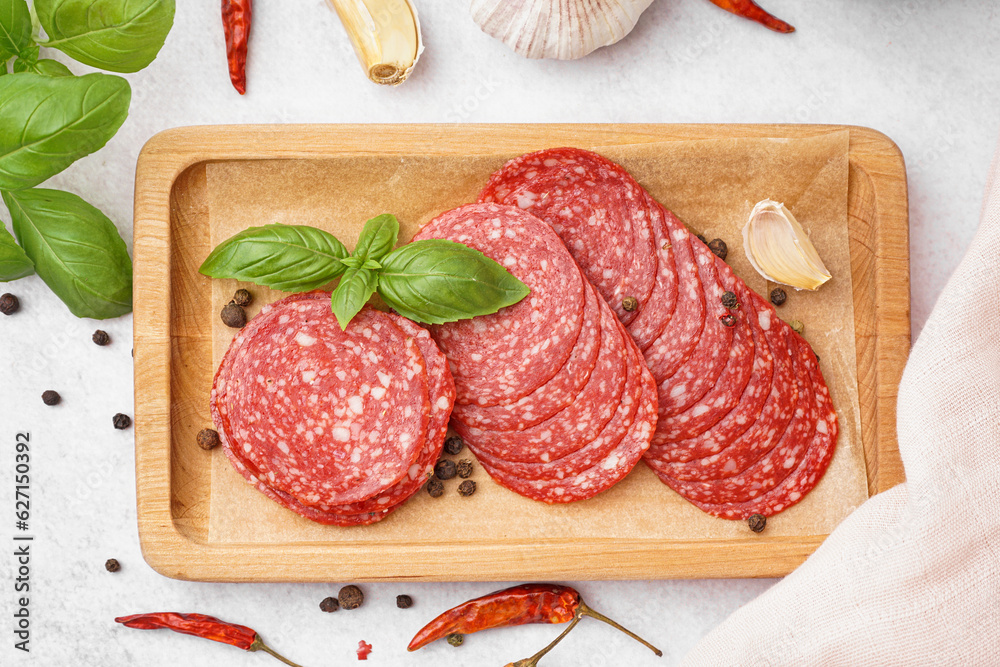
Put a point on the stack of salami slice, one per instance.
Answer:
(553, 396)
(338, 426)
(746, 424)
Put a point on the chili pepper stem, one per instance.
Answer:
(533, 660)
(584, 610)
(259, 645)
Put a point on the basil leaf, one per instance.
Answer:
(44, 67)
(436, 281)
(77, 251)
(355, 288)
(14, 263)
(115, 35)
(291, 258)
(378, 238)
(47, 123)
(15, 28)
(352, 262)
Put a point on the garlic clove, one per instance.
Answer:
(385, 35)
(780, 249)
(559, 29)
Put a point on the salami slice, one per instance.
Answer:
(591, 447)
(552, 396)
(725, 392)
(596, 207)
(679, 338)
(711, 443)
(496, 359)
(325, 415)
(312, 513)
(442, 398)
(604, 474)
(766, 473)
(579, 423)
(654, 315)
(696, 375)
(806, 475)
(759, 439)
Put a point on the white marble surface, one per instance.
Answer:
(927, 74)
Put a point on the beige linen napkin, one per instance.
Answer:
(912, 577)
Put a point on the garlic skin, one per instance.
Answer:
(780, 249)
(558, 29)
(385, 35)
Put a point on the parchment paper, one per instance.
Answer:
(711, 185)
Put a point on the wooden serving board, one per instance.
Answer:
(176, 310)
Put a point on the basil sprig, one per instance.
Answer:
(48, 120)
(433, 281)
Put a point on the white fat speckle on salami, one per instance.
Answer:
(552, 396)
(580, 425)
(271, 384)
(605, 473)
(809, 470)
(521, 347)
(597, 208)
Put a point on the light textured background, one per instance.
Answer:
(924, 73)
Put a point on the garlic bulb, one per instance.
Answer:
(385, 34)
(561, 29)
(780, 249)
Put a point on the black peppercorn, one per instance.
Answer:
(51, 397)
(208, 438)
(730, 301)
(757, 522)
(467, 488)
(630, 303)
(456, 639)
(435, 488)
(101, 338)
(9, 304)
(329, 605)
(112, 565)
(121, 421)
(444, 469)
(242, 298)
(453, 445)
(719, 248)
(404, 601)
(464, 468)
(351, 597)
(778, 296)
(233, 316)
(729, 320)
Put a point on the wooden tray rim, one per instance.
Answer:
(174, 554)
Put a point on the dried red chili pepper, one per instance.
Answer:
(206, 627)
(527, 603)
(237, 16)
(751, 10)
